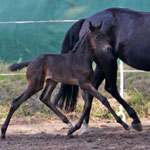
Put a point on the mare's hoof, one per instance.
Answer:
(137, 127)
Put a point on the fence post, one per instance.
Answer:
(121, 113)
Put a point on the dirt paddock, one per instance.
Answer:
(51, 135)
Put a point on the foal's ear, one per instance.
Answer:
(91, 27)
(100, 25)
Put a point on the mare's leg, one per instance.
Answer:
(91, 90)
(98, 78)
(59, 94)
(31, 90)
(110, 70)
(45, 96)
(111, 87)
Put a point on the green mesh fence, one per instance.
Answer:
(20, 42)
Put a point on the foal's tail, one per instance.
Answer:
(67, 95)
(18, 66)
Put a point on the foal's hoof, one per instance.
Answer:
(137, 127)
(70, 125)
(126, 127)
(70, 132)
(85, 128)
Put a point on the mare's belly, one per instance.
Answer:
(137, 60)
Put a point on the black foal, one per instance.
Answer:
(72, 68)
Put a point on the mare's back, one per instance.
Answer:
(118, 18)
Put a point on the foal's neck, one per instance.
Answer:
(84, 47)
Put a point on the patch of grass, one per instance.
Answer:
(136, 93)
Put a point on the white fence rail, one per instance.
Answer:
(47, 21)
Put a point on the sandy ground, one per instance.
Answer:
(51, 135)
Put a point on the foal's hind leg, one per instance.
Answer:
(31, 90)
(46, 94)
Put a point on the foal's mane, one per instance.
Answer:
(75, 48)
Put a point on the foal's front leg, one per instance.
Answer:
(112, 89)
(45, 96)
(91, 90)
(97, 80)
(85, 111)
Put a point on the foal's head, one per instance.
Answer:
(98, 39)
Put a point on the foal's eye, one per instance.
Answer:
(96, 38)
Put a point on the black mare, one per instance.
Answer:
(51, 69)
(128, 33)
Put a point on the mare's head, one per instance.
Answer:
(98, 39)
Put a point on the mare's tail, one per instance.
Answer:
(67, 95)
(18, 66)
